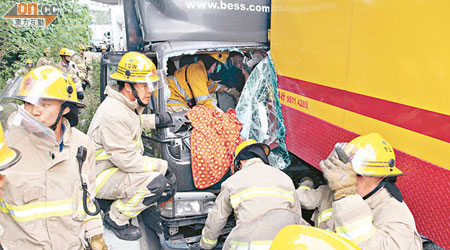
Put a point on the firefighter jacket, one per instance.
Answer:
(44, 61)
(23, 71)
(250, 192)
(380, 222)
(191, 87)
(116, 130)
(42, 204)
(71, 71)
(81, 65)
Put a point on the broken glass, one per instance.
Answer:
(259, 111)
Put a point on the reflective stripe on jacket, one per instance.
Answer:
(379, 222)
(250, 192)
(197, 90)
(42, 204)
(116, 130)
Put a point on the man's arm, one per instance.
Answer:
(217, 219)
(309, 197)
(123, 152)
(198, 81)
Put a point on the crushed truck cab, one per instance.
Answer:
(167, 31)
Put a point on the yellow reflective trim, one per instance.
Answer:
(304, 187)
(103, 176)
(92, 217)
(208, 241)
(260, 192)
(357, 231)
(37, 210)
(101, 155)
(255, 245)
(148, 164)
(325, 215)
(142, 120)
(137, 143)
(125, 209)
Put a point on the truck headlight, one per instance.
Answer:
(186, 208)
(188, 204)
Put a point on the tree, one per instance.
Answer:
(17, 44)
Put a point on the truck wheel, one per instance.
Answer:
(149, 240)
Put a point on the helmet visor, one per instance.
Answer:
(157, 81)
(15, 118)
(32, 90)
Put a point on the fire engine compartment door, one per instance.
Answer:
(204, 20)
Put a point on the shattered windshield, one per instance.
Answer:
(259, 111)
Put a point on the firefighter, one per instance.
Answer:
(47, 59)
(361, 201)
(255, 189)
(71, 70)
(25, 69)
(191, 84)
(124, 174)
(48, 198)
(103, 48)
(80, 61)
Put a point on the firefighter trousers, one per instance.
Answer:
(132, 192)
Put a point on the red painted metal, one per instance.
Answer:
(419, 120)
(425, 187)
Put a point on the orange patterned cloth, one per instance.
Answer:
(213, 141)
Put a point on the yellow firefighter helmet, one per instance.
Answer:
(66, 52)
(220, 56)
(243, 146)
(300, 237)
(135, 67)
(8, 156)
(29, 61)
(46, 82)
(371, 155)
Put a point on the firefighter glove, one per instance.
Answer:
(163, 120)
(340, 176)
(234, 93)
(98, 243)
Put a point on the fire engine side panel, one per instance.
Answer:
(353, 67)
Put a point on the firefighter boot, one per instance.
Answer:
(125, 232)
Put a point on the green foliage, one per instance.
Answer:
(17, 44)
(91, 99)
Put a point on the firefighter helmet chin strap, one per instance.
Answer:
(135, 93)
(60, 114)
(389, 184)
